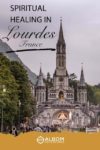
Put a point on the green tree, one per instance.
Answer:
(8, 93)
(24, 90)
(73, 83)
(90, 94)
(97, 94)
(14, 88)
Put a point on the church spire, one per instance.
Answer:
(61, 36)
(82, 79)
(61, 75)
(40, 74)
(82, 89)
(40, 82)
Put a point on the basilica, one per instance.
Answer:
(56, 101)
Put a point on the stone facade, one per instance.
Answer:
(56, 104)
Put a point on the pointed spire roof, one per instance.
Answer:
(40, 82)
(61, 36)
(40, 74)
(82, 79)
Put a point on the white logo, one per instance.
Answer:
(42, 140)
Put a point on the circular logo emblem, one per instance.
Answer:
(40, 140)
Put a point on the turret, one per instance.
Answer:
(40, 89)
(81, 89)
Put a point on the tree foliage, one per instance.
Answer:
(8, 92)
(93, 92)
(14, 88)
(24, 90)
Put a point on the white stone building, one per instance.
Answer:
(56, 104)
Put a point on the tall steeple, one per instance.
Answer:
(61, 36)
(40, 89)
(61, 50)
(61, 46)
(40, 82)
(82, 88)
(61, 75)
(82, 79)
(40, 74)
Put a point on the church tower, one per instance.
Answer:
(81, 89)
(40, 89)
(61, 75)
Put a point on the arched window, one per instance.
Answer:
(61, 95)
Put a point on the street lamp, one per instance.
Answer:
(2, 115)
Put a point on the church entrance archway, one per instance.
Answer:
(61, 118)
